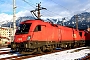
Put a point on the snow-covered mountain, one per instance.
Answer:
(83, 21)
(20, 19)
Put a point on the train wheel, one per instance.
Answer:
(30, 52)
(72, 45)
(50, 48)
(47, 49)
(53, 46)
(39, 50)
(43, 48)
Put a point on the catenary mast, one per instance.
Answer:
(14, 18)
(76, 16)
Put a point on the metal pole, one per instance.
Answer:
(38, 11)
(14, 16)
(76, 16)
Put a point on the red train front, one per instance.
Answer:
(38, 36)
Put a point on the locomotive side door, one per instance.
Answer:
(59, 34)
(38, 33)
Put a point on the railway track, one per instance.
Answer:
(6, 53)
(87, 57)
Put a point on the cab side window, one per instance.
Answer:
(37, 28)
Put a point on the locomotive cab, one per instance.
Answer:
(26, 30)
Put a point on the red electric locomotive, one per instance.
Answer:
(38, 36)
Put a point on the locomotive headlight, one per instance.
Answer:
(28, 38)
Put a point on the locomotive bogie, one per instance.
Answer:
(32, 47)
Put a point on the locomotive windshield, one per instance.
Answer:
(23, 28)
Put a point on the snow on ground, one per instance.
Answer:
(5, 49)
(7, 55)
(72, 54)
(64, 55)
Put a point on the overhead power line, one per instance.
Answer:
(62, 6)
(35, 7)
(29, 3)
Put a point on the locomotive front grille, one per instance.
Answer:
(24, 45)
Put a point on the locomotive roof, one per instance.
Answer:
(29, 21)
(38, 22)
(41, 22)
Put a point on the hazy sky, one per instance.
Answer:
(55, 8)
